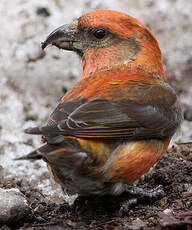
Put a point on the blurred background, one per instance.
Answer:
(32, 81)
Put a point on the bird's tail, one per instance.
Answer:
(47, 130)
(39, 153)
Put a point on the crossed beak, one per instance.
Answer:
(64, 37)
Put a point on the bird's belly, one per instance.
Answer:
(74, 183)
(125, 164)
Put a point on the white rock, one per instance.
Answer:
(13, 206)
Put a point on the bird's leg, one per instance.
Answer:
(139, 194)
(126, 205)
(144, 193)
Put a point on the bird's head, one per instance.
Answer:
(105, 39)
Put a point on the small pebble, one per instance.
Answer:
(167, 211)
(188, 114)
(43, 11)
(137, 224)
(13, 206)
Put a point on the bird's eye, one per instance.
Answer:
(99, 33)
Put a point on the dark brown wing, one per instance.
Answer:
(155, 115)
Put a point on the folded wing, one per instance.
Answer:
(155, 115)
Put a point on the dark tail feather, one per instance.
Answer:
(38, 153)
(35, 131)
(47, 130)
(35, 155)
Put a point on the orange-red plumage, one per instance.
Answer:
(119, 119)
(106, 83)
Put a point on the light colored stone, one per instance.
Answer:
(13, 206)
(168, 211)
(137, 224)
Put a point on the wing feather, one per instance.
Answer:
(155, 115)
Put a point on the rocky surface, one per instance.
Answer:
(31, 81)
(13, 206)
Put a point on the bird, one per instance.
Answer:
(117, 122)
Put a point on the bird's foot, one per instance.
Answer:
(135, 194)
(144, 193)
(126, 205)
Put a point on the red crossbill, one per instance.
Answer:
(117, 122)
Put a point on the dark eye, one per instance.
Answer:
(99, 33)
